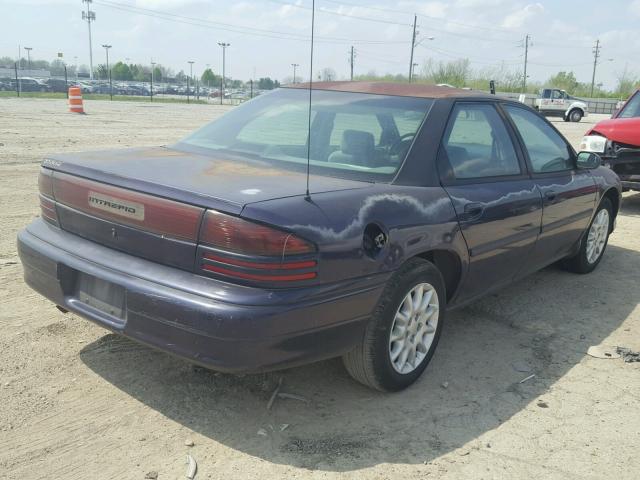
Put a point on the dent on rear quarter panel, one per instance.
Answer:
(416, 219)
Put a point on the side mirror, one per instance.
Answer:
(588, 160)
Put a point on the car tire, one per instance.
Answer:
(371, 363)
(575, 115)
(594, 241)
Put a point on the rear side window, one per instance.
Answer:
(547, 150)
(477, 145)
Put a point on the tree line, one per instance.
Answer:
(458, 73)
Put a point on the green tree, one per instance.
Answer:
(101, 72)
(181, 77)
(56, 67)
(121, 71)
(564, 81)
(209, 78)
(142, 73)
(627, 83)
(157, 74)
(267, 83)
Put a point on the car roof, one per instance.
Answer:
(391, 88)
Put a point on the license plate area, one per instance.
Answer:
(101, 295)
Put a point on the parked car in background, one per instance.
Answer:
(553, 102)
(236, 250)
(58, 85)
(32, 85)
(7, 84)
(617, 141)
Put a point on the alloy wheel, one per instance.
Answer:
(597, 236)
(414, 328)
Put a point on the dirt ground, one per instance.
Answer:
(79, 403)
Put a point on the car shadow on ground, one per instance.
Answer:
(541, 325)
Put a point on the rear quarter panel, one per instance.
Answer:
(415, 219)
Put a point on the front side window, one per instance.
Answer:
(631, 109)
(353, 135)
(477, 144)
(547, 150)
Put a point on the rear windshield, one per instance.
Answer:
(353, 135)
(631, 108)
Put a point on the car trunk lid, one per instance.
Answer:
(150, 202)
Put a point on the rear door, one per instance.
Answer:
(568, 194)
(498, 206)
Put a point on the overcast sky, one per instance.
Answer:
(267, 36)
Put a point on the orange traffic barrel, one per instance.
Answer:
(75, 100)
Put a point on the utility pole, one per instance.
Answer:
(596, 55)
(106, 49)
(351, 59)
(223, 83)
(294, 65)
(413, 45)
(526, 55)
(28, 49)
(89, 16)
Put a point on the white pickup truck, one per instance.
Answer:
(553, 102)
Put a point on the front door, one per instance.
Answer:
(499, 208)
(568, 194)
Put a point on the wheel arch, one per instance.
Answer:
(614, 197)
(450, 266)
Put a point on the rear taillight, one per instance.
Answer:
(47, 204)
(250, 251)
(127, 207)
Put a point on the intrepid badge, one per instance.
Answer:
(116, 206)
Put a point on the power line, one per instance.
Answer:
(340, 14)
(458, 55)
(421, 15)
(241, 29)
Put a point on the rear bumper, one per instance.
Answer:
(219, 325)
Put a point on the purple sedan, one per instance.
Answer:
(222, 250)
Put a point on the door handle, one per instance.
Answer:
(550, 195)
(472, 211)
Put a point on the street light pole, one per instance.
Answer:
(190, 62)
(223, 83)
(153, 66)
(294, 65)
(106, 49)
(28, 49)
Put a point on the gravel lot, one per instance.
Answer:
(79, 403)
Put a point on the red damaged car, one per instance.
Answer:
(617, 141)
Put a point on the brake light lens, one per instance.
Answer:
(47, 203)
(233, 234)
(127, 207)
(243, 250)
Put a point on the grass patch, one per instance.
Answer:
(116, 98)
